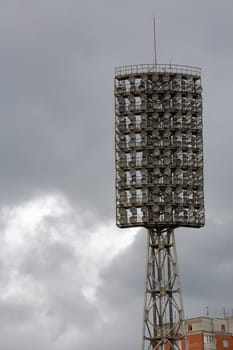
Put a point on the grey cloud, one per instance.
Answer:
(123, 279)
(57, 71)
(206, 265)
(45, 258)
(120, 294)
(15, 312)
(55, 131)
(56, 136)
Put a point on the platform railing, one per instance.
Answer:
(157, 68)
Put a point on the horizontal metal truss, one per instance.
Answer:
(163, 325)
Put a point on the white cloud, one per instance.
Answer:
(52, 259)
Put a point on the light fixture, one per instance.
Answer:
(133, 177)
(133, 217)
(143, 176)
(159, 150)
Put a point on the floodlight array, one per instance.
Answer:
(159, 150)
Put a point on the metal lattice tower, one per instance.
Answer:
(159, 181)
(163, 311)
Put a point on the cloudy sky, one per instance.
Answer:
(69, 279)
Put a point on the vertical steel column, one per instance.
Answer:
(163, 325)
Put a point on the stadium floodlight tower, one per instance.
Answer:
(159, 180)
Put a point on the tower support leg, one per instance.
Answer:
(163, 324)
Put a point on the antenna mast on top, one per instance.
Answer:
(155, 52)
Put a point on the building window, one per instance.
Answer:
(209, 339)
(212, 339)
(190, 327)
(225, 343)
(223, 327)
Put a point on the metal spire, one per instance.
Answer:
(155, 51)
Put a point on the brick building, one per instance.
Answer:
(206, 333)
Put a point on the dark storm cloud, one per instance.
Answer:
(124, 277)
(53, 129)
(57, 85)
(206, 264)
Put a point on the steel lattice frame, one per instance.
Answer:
(159, 180)
(163, 310)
